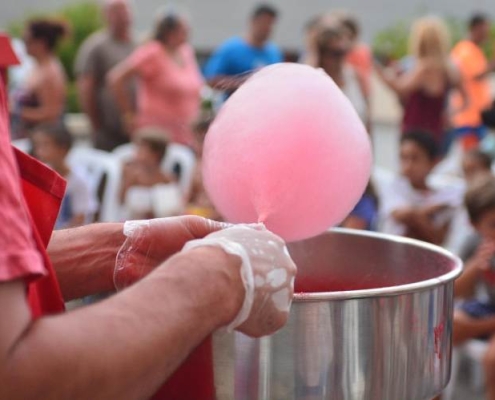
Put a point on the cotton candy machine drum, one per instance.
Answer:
(372, 321)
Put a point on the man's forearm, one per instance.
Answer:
(91, 272)
(126, 346)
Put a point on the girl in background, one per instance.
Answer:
(42, 98)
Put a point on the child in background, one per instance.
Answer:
(475, 318)
(474, 163)
(199, 202)
(51, 144)
(143, 175)
(411, 207)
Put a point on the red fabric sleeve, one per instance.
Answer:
(18, 255)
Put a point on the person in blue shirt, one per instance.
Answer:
(234, 61)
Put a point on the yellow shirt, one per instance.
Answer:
(471, 62)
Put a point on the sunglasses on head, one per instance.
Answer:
(335, 53)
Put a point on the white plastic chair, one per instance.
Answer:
(182, 156)
(124, 152)
(97, 165)
(23, 145)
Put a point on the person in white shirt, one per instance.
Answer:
(410, 206)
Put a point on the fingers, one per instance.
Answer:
(267, 273)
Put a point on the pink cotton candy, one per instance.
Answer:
(289, 150)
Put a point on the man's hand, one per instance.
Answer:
(149, 243)
(267, 274)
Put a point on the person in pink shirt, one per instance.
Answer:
(169, 82)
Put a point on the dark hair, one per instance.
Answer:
(476, 20)
(155, 139)
(483, 158)
(264, 9)
(166, 25)
(480, 197)
(57, 132)
(351, 23)
(326, 34)
(424, 140)
(48, 31)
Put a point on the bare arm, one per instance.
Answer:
(465, 285)
(118, 78)
(457, 84)
(420, 225)
(488, 71)
(353, 222)
(87, 99)
(91, 272)
(121, 348)
(402, 85)
(51, 95)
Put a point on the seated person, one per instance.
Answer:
(474, 163)
(475, 317)
(51, 144)
(410, 207)
(199, 203)
(148, 191)
(365, 213)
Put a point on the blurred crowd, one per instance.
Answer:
(146, 99)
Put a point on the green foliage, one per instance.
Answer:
(83, 19)
(392, 42)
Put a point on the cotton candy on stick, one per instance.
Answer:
(287, 149)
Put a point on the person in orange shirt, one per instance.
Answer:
(474, 68)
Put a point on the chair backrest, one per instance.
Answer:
(183, 158)
(124, 152)
(99, 166)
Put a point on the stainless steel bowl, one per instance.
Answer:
(380, 331)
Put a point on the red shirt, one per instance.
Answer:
(30, 197)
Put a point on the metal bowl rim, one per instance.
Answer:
(391, 290)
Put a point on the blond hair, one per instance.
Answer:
(430, 38)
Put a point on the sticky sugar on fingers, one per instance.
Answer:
(267, 273)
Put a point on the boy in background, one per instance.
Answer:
(411, 207)
(51, 144)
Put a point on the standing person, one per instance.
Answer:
(474, 67)
(424, 89)
(234, 61)
(97, 56)
(332, 51)
(169, 82)
(43, 96)
(359, 55)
